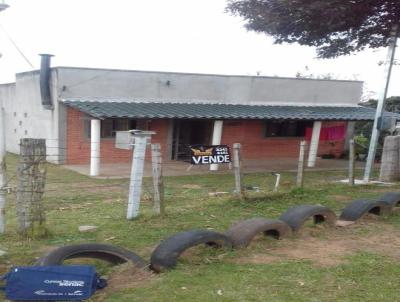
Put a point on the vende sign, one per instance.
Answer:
(206, 155)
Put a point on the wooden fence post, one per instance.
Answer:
(300, 168)
(237, 163)
(31, 182)
(351, 162)
(158, 197)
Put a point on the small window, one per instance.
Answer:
(110, 126)
(286, 128)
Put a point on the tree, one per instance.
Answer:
(364, 128)
(392, 104)
(334, 27)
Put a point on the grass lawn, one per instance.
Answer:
(357, 263)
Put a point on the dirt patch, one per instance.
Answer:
(45, 249)
(330, 246)
(191, 186)
(96, 188)
(341, 198)
(123, 277)
(113, 200)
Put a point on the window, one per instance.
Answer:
(286, 128)
(110, 126)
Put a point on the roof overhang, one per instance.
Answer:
(160, 110)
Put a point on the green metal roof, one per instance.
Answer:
(154, 110)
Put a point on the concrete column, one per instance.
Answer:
(216, 139)
(94, 147)
(349, 134)
(135, 184)
(312, 153)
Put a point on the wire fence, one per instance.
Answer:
(265, 170)
(254, 159)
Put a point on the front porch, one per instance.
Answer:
(178, 168)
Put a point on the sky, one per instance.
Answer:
(159, 35)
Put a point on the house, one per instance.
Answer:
(269, 116)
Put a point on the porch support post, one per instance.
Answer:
(94, 147)
(312, 153)
(349, 134)
(216, 139)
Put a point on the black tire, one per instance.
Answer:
(391, 199)
(166, 254)
(110, 253)
(358, 208)
(243, 232)
(296, 216)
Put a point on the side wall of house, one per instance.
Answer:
(25, 116)
(78, 144)
(8, 103)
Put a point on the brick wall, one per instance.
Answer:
(78, 145)
(249, 133)
(254, 145)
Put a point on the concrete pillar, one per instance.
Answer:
(94, 147)
(312, 153)
(135, 184)
(349, 134)
(216, 139)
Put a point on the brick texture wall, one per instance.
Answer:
(254, 145)
(78, 144)
(249, 133)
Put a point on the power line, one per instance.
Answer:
(16, 47)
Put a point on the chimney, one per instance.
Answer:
(45, 73)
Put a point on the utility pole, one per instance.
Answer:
(381, 102)
(3, 180)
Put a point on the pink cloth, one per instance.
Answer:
(335, 133)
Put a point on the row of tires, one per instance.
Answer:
(166, 254)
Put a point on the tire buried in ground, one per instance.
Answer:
(106, 252)
(360, 207)
(243, 232)
(391, 199)
(166, 254)
(295, 217)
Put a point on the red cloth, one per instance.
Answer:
(335, 133)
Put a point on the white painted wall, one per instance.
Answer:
(153, 86)
(26, 117)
